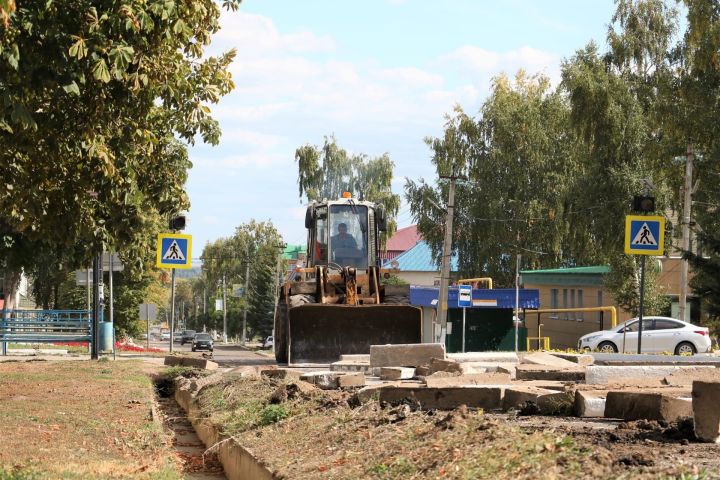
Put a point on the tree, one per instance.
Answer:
(97, 104)
(327, 172)
(623, 281)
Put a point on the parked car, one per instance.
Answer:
(165, 336)
(187, 336)
(660, 334)
(202, 341)
(269, 342)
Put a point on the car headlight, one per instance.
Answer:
(590, 338)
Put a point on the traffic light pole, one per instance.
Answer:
(172, 309)
(642, 296)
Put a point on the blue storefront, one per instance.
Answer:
(488, 323)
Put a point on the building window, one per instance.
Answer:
(553, 301)
(580, 303)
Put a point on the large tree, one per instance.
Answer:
(97, 105)
(328, 171)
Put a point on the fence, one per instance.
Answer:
(45, 326)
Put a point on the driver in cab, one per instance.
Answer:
(343, 244)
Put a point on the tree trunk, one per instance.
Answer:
(10, 284)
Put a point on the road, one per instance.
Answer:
(230, 355)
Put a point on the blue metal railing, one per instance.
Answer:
(45, 326)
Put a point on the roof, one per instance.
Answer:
(291, 252)
(404, 239)
(481, 297)
(419, 259)
(600, 269)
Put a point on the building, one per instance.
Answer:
(403, 240)
(417, 266)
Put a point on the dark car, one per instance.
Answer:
(202, 341)
(187, 336)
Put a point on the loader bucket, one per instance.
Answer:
(319, 334)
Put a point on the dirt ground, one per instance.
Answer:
(302, 432)
(82, 419)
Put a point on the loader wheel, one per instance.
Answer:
(396, 300)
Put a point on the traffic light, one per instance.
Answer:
(643, 203)
(177, 223)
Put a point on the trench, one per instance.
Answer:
(196, 463)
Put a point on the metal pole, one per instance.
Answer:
(95, 347)
(687, 203)
(89, 293)
(463, 333)
(172, 308)
(247, 296)
(225, 338)
(110, 280)
(445, 269)
(642, 296)
(5, 325)
(147, 317)
(516, 320)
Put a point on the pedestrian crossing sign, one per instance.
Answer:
(644, 235)
(173, 250)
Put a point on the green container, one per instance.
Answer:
(106, 337)
(486, 329)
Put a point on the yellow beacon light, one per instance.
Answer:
(346, 195)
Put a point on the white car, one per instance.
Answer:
(660, 334)
(269, 342)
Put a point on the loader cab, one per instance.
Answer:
(343, 232)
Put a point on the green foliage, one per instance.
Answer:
(394, 280)
(623, 281)
(327, 172)
(97, 104)
(273, 414)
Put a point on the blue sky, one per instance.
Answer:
(380, 75)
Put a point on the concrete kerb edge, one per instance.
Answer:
(237, 461)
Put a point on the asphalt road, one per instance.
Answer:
(229, 355)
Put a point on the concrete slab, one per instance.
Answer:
(556, 403)
(443, 365)
(469, 379)
(601, 374)
(347, 380)
(590, 403)
(516, 396)
(486, 397)
(542, 372)
(644, 359)
(579, 358)
(686, 377)
(363, 358)
(542, 358)
(354, 366)
(405, 355)
(492, 357)
(648, 406)
(326, 380)
(706, 413)
(193, 362)
(396, 373)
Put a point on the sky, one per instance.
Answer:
(380, 75)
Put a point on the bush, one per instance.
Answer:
(273, 414)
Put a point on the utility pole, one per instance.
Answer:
(687, 203)
(172, 309)
(247, 295)
(224, 309)
(446, 254)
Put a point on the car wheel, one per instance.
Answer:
(607, 347)
(685, 348)
(193, 349)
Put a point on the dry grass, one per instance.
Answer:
(77, 419)
(322, 437)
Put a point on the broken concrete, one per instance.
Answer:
(442, 365)
(362, 358)
(469, 379)
(516, 396)
(405, 355)
(325, 380)
(590, 403)
(556, 403)
(542, 358)
(484, 357)
(645, 405)
(686, 377)
(351, 380)
(486, 397)
(543, 372)
(579, 358)
(354, 366)
(396, 373)
(706, 410)
(194, 362)
(601, 374)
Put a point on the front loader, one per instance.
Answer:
(335, 303)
